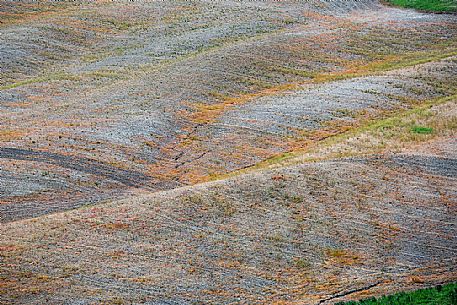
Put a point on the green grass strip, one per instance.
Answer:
(441, 294)
(445, 6)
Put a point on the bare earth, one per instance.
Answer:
(116, 117)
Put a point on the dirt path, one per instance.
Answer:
(85, 181)
(88, 166)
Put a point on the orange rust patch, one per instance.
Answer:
(115, 226)
(342, 257)
(205, 114)
(11, 135)
(9, 248)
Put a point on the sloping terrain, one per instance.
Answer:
(308, 234)
(328, 127)
(167, 94)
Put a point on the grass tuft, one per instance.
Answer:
(422, 130)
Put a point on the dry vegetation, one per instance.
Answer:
(309, 233)
(330, 127)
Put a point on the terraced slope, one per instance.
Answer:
(102, 99)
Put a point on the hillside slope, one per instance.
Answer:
(102, 99)
(180, 152)
(306, 234)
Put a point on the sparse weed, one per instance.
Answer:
(422, 130)
(302, 263)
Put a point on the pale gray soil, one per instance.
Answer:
(303, 234)
(112, 114)
(116, 86)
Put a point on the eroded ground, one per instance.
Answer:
(99, 98)
(141, 100)
(311, 233)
